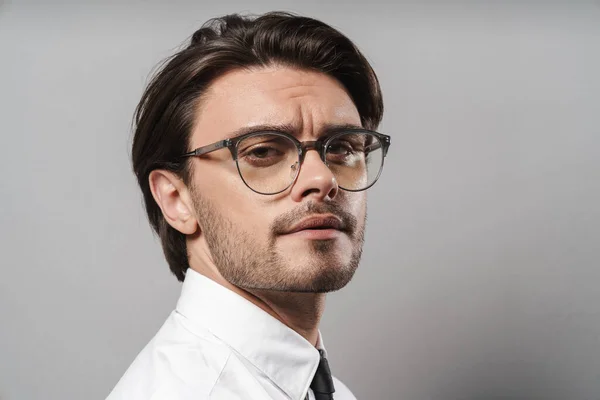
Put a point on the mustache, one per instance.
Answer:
(284, 222)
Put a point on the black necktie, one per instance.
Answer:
(322, 383)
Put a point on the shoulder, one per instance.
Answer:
(341, 391)
(178, 363)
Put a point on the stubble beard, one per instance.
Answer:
(250, 264)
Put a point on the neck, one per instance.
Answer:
(299, 311)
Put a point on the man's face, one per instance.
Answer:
(248, 234)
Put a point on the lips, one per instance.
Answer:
(317, 223)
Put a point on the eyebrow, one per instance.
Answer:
(326, 130)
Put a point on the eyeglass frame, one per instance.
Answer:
(320, 145)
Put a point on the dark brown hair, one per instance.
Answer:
(165, 115)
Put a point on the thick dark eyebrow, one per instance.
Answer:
(327, 130)
(330, 129)
(287, 128)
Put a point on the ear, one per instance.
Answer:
(174, 200)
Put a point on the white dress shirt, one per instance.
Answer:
(217, 345)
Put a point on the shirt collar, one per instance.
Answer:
(282, 354)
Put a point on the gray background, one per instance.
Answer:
(480, 274)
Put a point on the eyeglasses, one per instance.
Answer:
(269, 162)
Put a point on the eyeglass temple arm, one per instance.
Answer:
(208, 148)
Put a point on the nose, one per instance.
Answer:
(315, 179)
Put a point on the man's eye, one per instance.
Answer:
(262, 152)
(340, 148)
(262, 155)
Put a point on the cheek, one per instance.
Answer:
(249, 213)
(357, 205)
(219, 181)
(241, 207)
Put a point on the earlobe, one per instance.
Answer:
(172, 196)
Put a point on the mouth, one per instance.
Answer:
(318, 227)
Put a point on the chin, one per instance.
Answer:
(327, 277)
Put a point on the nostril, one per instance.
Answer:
(334, 191)
(309, 191)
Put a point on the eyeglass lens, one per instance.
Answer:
(268, 163)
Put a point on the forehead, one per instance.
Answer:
(305, 100)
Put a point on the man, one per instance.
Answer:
(253, 148)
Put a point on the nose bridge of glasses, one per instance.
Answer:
(316, 145)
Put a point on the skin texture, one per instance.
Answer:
(234, 235)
